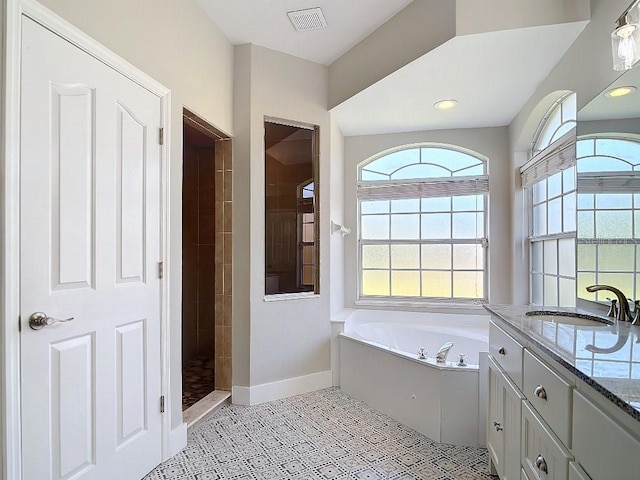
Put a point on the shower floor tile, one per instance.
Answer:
(319, 435)
(198, 380)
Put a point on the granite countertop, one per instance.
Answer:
(606, 356)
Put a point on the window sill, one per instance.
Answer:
(473, 306)
(279, 297)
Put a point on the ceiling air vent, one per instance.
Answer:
(309, 19)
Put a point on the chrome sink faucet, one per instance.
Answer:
(624, 312)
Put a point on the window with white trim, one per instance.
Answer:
(422, 224)
(559, 120)
(608, 214)
(550, 181)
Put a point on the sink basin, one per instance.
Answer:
(569, 318)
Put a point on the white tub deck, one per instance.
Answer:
(379, 365)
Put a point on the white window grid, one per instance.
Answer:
(594, 247)
(419, 241)
(593, 244)
(559, 119)
(552, 240)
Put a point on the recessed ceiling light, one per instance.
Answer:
(445, 104)
(620, 91)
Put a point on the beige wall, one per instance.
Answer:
(478, 17)
(416, 30)
(285, 339)
(3, 369)
(336, 192)
(177, 45)
(490, 142)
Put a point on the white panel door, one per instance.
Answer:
(90, 246)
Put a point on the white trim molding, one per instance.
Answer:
(177, 441)
(10, 433)
(268, 392)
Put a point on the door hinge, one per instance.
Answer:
(162, 404)
(160, 269)
(161, 136)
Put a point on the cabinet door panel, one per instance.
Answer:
(576, 472)
(512, 420)
(603, 448)
(503, 437)
(495, 436)
(506, 352)
(554, 402)
(543, 455)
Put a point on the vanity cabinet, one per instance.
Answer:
(507, 353)
(549, 395)
(543, 454)
(544, 423)
(503, 431)
(603, 448)
(576, 472)
(505, 404)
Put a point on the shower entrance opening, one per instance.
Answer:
(206, 262)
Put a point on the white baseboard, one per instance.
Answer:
(177, 440)
(284, 388)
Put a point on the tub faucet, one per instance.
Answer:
(441, 356)
(624, 312)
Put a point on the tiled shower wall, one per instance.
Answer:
(198, 244)
(223, 255)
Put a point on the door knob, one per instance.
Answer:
(40, 320)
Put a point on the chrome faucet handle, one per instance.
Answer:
(613, 308)
(461, 360)
(636, 313)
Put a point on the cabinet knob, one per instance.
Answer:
(540, 392)
(502, 351)
(541, 464)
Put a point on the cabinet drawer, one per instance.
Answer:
(576, 472)
(549, 394)
(506, 352)
(603, 448)
(543, 455)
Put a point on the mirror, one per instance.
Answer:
(608, 204)
(291, 207)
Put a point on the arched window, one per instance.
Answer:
(422, 224)
(550, 179)
(559, 120)
(608, 213)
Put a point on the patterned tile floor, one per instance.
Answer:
(320, 435)
(198, 380)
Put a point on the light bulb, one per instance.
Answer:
(627, 47)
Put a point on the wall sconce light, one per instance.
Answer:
(335, 228)
(625, 39)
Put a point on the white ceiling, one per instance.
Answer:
(491, 75)
(265, 23)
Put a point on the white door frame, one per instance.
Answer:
(10, 415)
